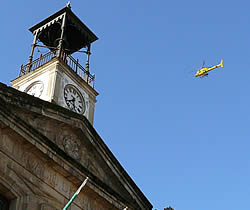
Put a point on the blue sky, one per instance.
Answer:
(183, 140)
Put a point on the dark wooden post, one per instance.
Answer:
(32, 51)
(93, 82)
(62, 36)
(88, 55)
(87, 63)
(77, 64)
(40, 58)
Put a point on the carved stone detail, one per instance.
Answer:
(71, 146)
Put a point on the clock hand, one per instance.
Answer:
(73, 100)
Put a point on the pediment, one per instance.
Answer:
(76, 144)
(73, 138)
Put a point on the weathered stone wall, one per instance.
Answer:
(33, 183)
(46, 152)
(76, 145)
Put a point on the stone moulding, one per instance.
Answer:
(66, 159)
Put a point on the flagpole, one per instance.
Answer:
(76, 193)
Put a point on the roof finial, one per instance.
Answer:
(68, 4)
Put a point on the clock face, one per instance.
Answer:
(35, 89)
(74, 100)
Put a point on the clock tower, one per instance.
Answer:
(47, 147)
(57, 76)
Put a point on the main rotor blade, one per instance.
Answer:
(203, 64)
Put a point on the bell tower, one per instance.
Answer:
(57, 76)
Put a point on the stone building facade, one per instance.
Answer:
(48, 144)
(46, 151)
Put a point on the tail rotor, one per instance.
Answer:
(221, 63)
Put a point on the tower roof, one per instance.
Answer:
(77, 34)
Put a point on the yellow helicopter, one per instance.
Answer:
(203, 71)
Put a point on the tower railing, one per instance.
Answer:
(43, 59)
(78, 69)
(71, 62)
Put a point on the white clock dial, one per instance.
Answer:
(35, 89)
(74, 100)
